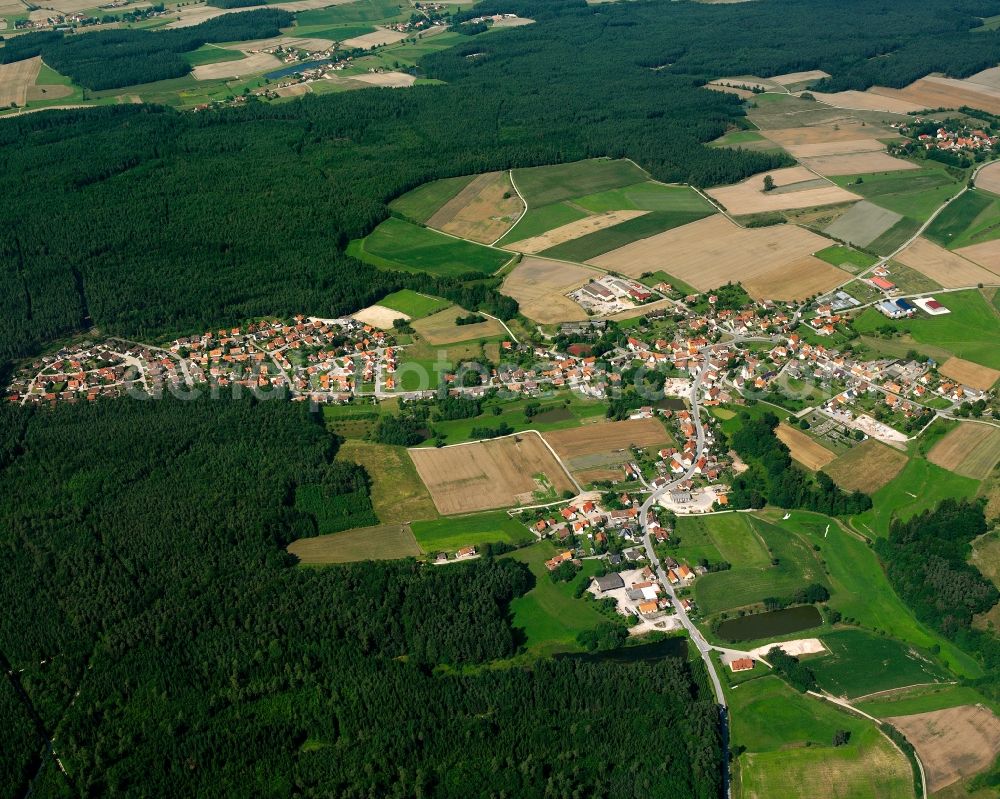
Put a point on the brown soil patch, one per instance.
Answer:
(713, 251)
(384, 542)
(16, 79)
(49, 92)
(938, 92)
(392, 80)
(970, 449)
(440, 328)
(953, 743)
(970, 374)
(857, 163)
(949, 269)
(252, 64)
(797, 77)
(867, 467)
(379, 316)
(988, 178)
(986, 255)
(540, 287)
(866, 101)
(479, 211)
(749, 196)
(805, 450)
(376, 39)
(489, 474)
(573, 230)
(603, 445)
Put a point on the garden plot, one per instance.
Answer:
(970, 374)
(794, 188)
(484, 475)
(949, 269)
(863, 223)
(540, 287)
(482, 211)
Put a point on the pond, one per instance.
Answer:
(671, 403)
(674, 647)
(768, 625)
(300, 67)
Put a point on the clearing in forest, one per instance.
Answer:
(382, 542)
(970, 374)
(807, 451)
(771, 263)
(604, 445)
(971, 449)
(949, 269)
(794, 187)
(540, 287)
(500, 473)
(441, 328)
(866, 467)
(953, 743)
(482, 211)
(16, 79)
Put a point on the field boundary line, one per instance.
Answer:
(524, 202)
(503, 324)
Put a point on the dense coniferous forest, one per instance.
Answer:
(110, 59)
(142, 562)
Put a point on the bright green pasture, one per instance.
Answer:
(396, 244)
(914, 193)
(839, 255)
(861, 663)
(421, 203)
(921, 700)
(210, 54)
(413, 304)
(970, 219)
(455, 532)
(727, 536)
(541, 220)
(647, 196)
(970, 331)
(359, 11)
(543, 185)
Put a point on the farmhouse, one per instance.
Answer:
(741, 664)
(609, 582)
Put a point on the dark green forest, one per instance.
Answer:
(143, 221)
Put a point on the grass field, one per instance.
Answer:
(970, 331)
(396, 244)
(970, 219)
(421, 203)
(918, 487)
(726, 537)
(383, 542)
(449, 535)
(209, 54)
(866, 467)
(920, 700)
(397, 492)
(544, 185)
(861, 663)
(414, 304)
(537, 221)
(647, 196)
(549, 615)
(915, 193)
(846, 258)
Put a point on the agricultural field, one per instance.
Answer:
(988, 179)
(847, 258)
(382, 542)
(746, 140)
(804, 449)
(540, 287)
(922, 699)
(859, 663)
(397, 493)
(950, 269)
(866, 467)
(422, 203)
(970, 449)
(379, 316)
(441, 328)
(972, 218)
(413, 304)
(16, 79)
(455, 532)
(840, 149)
(939, 92)
(771, 263)
(986, 255)
(863, 224)
(588, 225)
(953, 743)
(483, 210)
(794, 187)
(503, 472)
(545, 185)
(396, 244)
(915, 194)
(606, 444)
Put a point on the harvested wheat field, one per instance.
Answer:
(949, 269)
(310, 43)
(971, 449)
(988, 178)
(603, 445)
(807, 451)
(835, 147)
(866, 467)
(986, 255)
(253, 63)
(938, 92)
(375, 39)
(440, 328)
(749, 196)
(384, 542)
(952, 743)
(713, 251)
(540, 286)
(16, 79)
(295, 90)
(573, 230)
(379, 316)
(798, 77)
(489, 474)
(389, 80)
(866, 101)
(857, 163)
(970, 374)
(846, 136)
(480, 211)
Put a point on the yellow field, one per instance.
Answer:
(490, 474)
(384, 542)
(573, 230)
(392, 80)
(15, 80)
(479, 211)
(936, 92)
(375, 39)
(749, 196)
(988, 178)
(970, 374)
(866, 101)
(378, 316)
(540, 287)
(953, 743)
(440, 328)
(857, 163)
(867, 467)
(949, 269)
(971, 449)
(772, 263)
(251, 65)
(805, 450)
(986, 255)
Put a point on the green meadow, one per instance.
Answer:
(647, 196)
(611, 238)
(543, 185)
(421, 203)
(455, 532)
(970, 219)
(846, 257)
(914, 193)
(924, 699)
(542, 219)
(413, 304)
